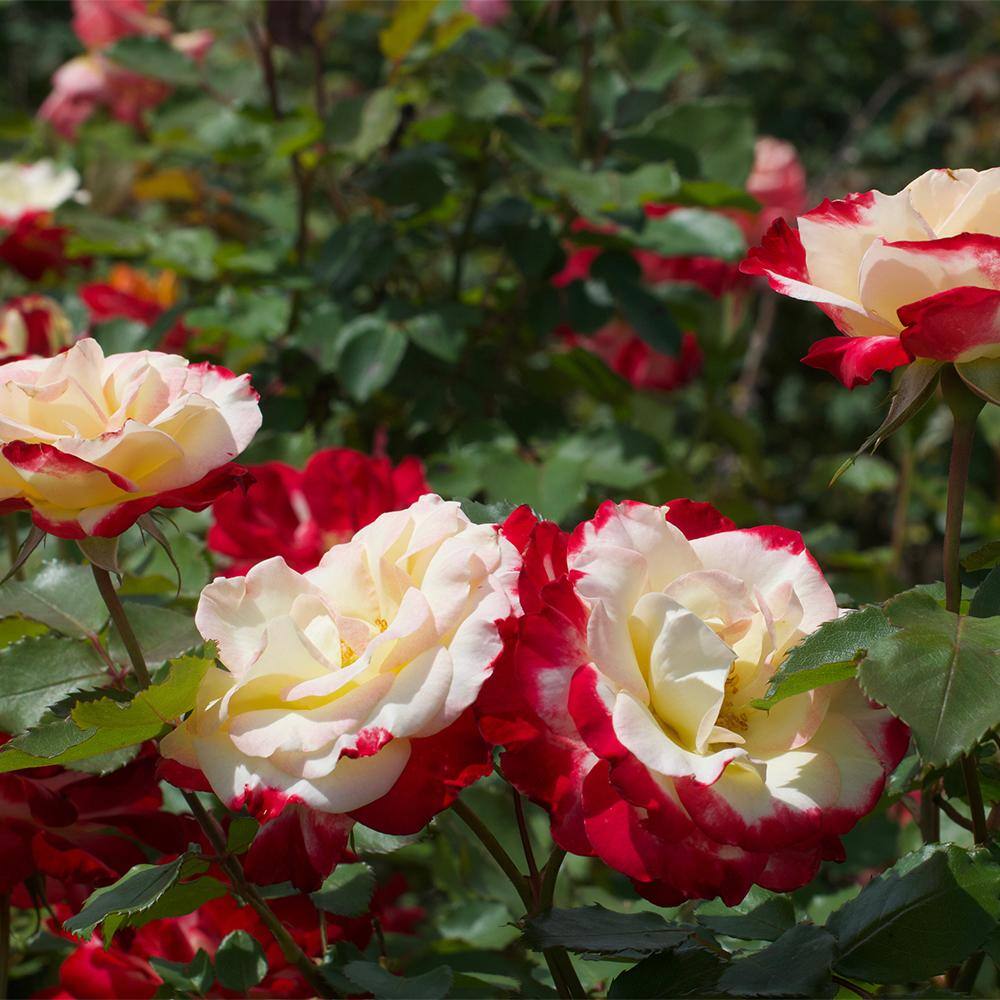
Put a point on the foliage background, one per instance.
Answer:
(400, 295)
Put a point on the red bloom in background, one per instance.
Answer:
(132, 294)
(298, 515)
(33, 324)
(625, 706)
(777, 181)
(92, 972)
(74, 828)
(92, 81)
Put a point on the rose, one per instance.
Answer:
(29, 193)
(298, 515)
(76, 829)
(90, 443)
(910, 275)
(347, 688)
(626, 353)
(778, 181)
(89, 82)
(131, 294)
(33, 325)
(99, 23)
(626, 707)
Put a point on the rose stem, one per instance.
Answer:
(529, 854)
(567, 984)
(4, 941)
(234, 870)
(114, 606)
(965, 409)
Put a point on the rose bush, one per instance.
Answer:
(91, 443)
(626, 708)
(348, 688)
(903, 276)
(299, 514)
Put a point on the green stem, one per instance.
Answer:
(289, 948)
(529, 854)
(561, 969)
(965, 409)
(118, 616)
(546, 897)
(495, 848)
(13, 544)
(233, 869)
(4, 942)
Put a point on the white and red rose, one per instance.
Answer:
(909, 275)
(625, 707)
(298, 514)
(348, 689)
(33, 325)
(90, 443)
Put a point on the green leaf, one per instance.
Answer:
(433, 333)
(36, 674)
(927, 913)
(346, 891)
(163, 633)
(100, 727)
(195, 976)
(718, 133)
(189, 251)
(987, 556)
(486, 513)
(915, 389)
(370, 353)
(689, 970)
(986, 601)
(798, 964)
(359, 250)
(359, 126)
(593, 930)
(414, 177)
(690, 232)
(368, 841)
(240, 963)
(765, 922)
(982, 377)
(242, 831)
(408, 22)
(642, 309)
(137, 890)
(383, 985)
(939, 673)
(828, 655)
(652, 57)
(154, 57)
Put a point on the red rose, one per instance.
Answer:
(75, 828)
(298, 515)
(625, 707)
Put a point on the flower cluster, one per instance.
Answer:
(33, 325)
(909, 275)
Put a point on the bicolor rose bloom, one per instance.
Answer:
(99, 23)
(29, 193)
(90, 443)
(33, 325)
(626, 705)
(298, 514)
(347, 689)
(128, 293)
(909, 275)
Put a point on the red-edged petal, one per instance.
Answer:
(854, 360)
(301, 846)
(696, 519)
(439, 767)
(960, 324)
(47, 460)
(779, 257)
